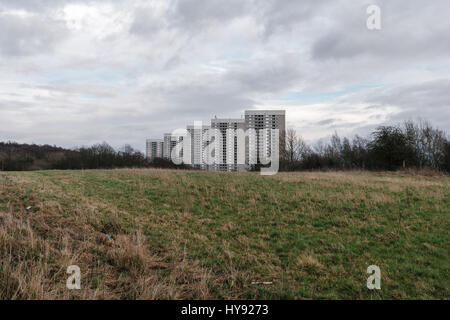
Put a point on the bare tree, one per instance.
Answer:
(428, 143)
(434, 142)
(296, 147)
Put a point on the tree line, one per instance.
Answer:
(24, 157)
(413, 144)
(408, 145)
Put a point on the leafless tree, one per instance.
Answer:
(296, 147)
(428, 143)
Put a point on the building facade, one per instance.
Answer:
(226, 144)
(199, 137)
(261, 125)
(218, 147)
(170, 142)
(154, 148)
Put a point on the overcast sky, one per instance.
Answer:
(75, 73)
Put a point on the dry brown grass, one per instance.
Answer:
(306, 260)
(37, 245)
(161, 234)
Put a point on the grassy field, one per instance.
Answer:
(161, 234)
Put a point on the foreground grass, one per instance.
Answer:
(160, 234)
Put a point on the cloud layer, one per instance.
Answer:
(79, 72)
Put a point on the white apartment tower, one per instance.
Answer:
(261, 124)
(170, 141)
(226, 145)
(199, 135)
(154, 148)
(215, 147)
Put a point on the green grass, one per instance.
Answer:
(186, 234)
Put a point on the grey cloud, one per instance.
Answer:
(43, 5)
(223, 94)
(195, 16)
(97, 91)
(433, 95)
(267, 76)
(188, 15)
(382, 44)
(280, 16)
(197, 13)
(33, 5)
(146, 23)
(197, 102)
(410, 30)
(428, 100)
(29, 35)
(325, 122)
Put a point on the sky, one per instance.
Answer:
(76, 73)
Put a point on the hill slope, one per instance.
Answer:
(179, 234)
